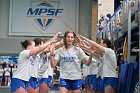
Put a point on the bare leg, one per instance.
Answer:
(6, 81)
(109, 89)
(32, 90)
(88, 89)
(0, 81)
(63, 90)
(76, 91)
(20, 90)
(44, 88)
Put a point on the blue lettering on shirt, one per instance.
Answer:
(68, 59)
(32, 61)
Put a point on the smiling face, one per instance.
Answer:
(69, 38)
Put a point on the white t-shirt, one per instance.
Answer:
(109, 64)
(43, 71)
(100, 68)
(50, 70)
(93, 67)
(23, 66)
(70, 62)
(1, 71)
(35, 65)
(7, 71)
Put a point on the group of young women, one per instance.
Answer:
(38, 59)
(6, 73)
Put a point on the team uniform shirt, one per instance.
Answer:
(35, 65)
(93, 67)
(7, 71)
(43, 71)
(100, 67)
(45, 74)
(50, 70)
(108, 72)
(44, 58)
(70, 62)
(1, 71)
(91, 72)
(109, 63)
(23, 66)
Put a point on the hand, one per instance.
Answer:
(83, 43)
(55, 36)
(78, 41)
(95, 52)
(86, 39)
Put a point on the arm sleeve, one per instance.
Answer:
(81, 54)
(109, 52)
(25, 53)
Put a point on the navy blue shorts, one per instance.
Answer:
(47, 81)
(50, 77)
(112, 81)
(100, 84)
(70, 84)
(87, 80)
(17, 83)
(90, 77)
(94, 82)
(34, 82)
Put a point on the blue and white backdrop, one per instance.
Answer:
(42, 17)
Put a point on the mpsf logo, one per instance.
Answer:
(44, 12)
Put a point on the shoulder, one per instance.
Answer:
(24, 53)
(109, 50)
(110, 53)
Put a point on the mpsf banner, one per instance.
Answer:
(42, 17)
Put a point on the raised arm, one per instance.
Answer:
(52, 55)
(59, 44)
(89, 48)
(40, 48)
(94, 44)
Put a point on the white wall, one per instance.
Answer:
(4, 17)
(105, 7)
(85, 18)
